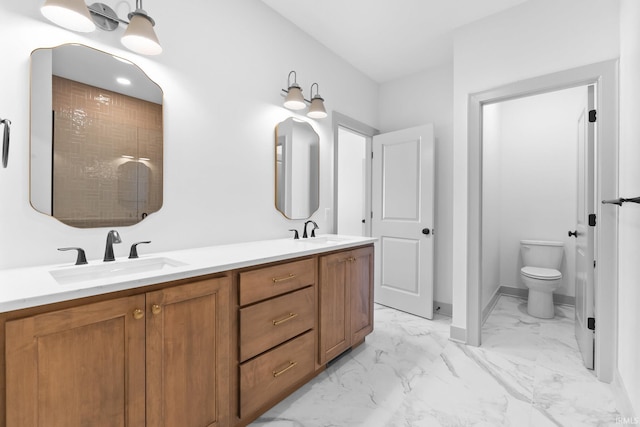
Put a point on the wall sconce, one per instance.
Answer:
(77, 16)
(294, 100)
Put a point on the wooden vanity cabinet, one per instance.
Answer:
(212, 351)
(76, 367)
(346, 300)
(157, 359)
(276, 334)
(187, 350)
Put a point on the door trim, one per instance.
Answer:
(339, 120)
(605, 76)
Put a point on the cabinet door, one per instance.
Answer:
(188, 355)
(361, 280)
(82, 366)
(335, 294)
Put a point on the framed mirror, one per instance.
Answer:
(96, 138)
(297, 169)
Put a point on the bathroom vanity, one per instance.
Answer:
(203, 337)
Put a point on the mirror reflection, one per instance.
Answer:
(297, 169)
(96, 138)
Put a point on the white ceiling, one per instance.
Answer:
(387, 39)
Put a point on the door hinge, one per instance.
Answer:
(594, 263)
(591, 323)
(592, 116)
(372, 154)
(592, 220)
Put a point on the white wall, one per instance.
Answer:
(629, 231)
(427, 97)
(536, 38)
(530, 182)
(221, 71)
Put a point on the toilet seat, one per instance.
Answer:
(541, 273)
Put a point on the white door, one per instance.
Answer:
(403, 205)
(584, 233)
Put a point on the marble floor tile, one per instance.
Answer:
(528, 372)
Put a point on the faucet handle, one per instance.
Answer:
(296, 236)
(315, 227)
(82, 258)
(133, 253)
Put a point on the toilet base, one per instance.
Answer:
(540, 304)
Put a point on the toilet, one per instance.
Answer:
(541, 274)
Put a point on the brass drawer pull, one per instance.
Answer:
(138, 314)
(284, 279)
(156, 309)
(278, 373)
(286, 319)
(350, 259)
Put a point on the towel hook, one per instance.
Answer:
(5, 142)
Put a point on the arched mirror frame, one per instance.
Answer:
(297, 169)
(127, 201)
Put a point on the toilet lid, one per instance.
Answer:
(541, 273)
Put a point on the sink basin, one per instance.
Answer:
(82, 273)
(325, 240)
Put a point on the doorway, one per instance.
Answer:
(397, 172)
(352, 176)
(353, 171)
(535, 188)
(604, 75)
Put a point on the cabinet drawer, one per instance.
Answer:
(272, 322)
(268, 282)
(264, 378)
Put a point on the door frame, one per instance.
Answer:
(341, 121)
(605, 76)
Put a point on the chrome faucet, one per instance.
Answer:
(313, 231)
(112, 237)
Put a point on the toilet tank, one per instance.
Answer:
(540, 253)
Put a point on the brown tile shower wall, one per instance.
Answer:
(93, 184)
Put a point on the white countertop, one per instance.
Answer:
(33, 286)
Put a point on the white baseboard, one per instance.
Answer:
(442, 308)
(621, 396)
(458, 334)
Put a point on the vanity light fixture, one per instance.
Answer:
(316, 109)
(71, 14)
(77, 16)
(294, 100)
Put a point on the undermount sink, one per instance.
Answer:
(82, 273)
(325, 240)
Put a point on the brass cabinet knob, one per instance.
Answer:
(156, 309)
(138, 314)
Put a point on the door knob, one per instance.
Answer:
(426, 231)
(573, 233)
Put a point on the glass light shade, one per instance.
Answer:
(316, 110)
(140, 37)
(71, 14)
(294, 99)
